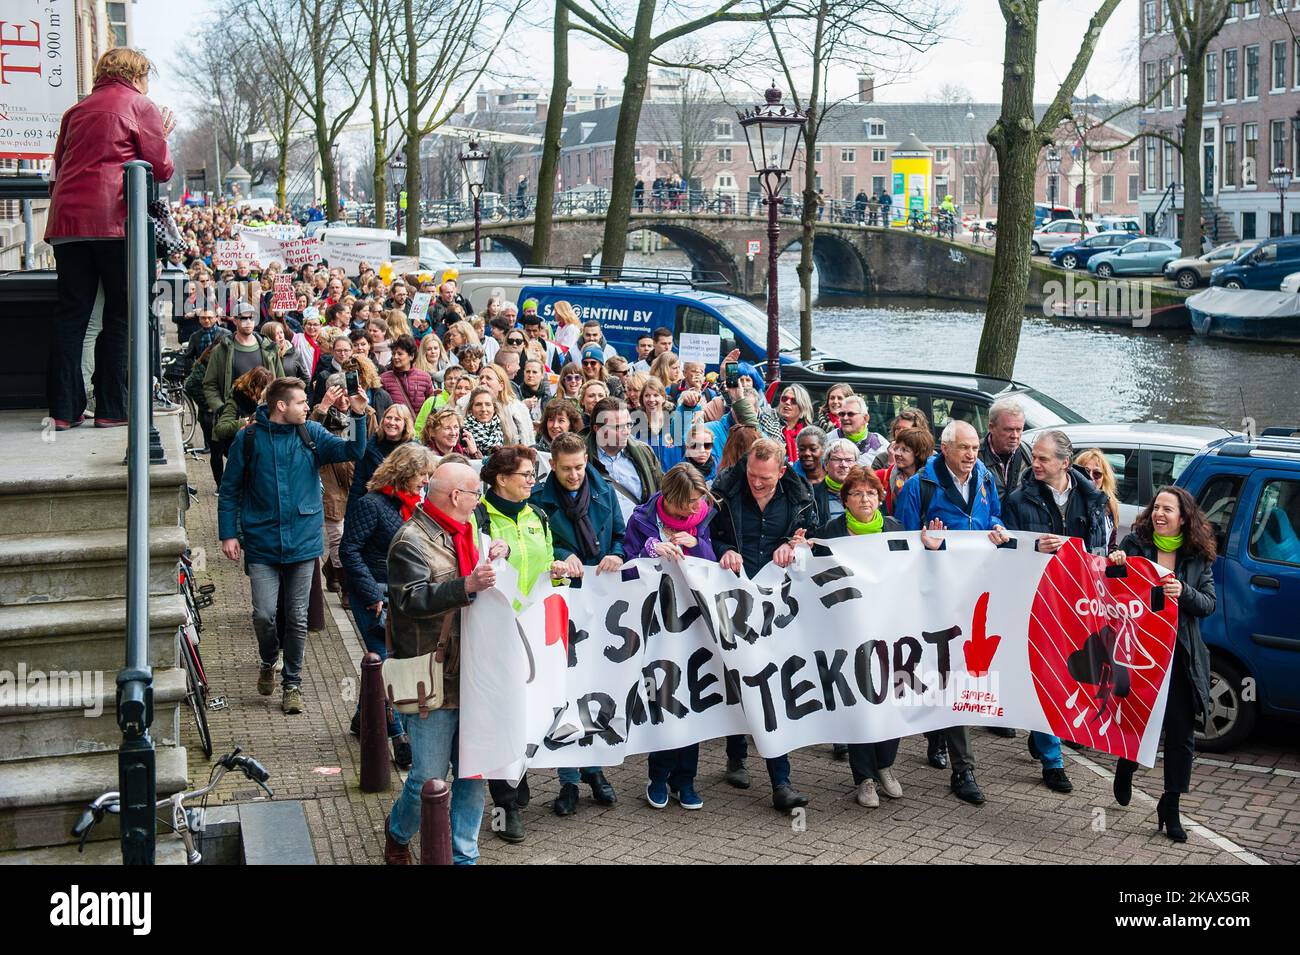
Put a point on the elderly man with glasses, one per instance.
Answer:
(855, 426)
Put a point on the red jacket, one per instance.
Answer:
(112, 125)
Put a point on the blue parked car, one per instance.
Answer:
(1250, 491)
(1263, 267)
(1077, 254)
(1138, 257)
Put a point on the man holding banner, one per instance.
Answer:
(954, 491)
(763, 508)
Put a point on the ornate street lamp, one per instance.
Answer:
(1054, 170)
(1281, 177)
(773, 132)
(397, 177)
(474, 161)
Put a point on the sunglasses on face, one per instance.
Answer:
(1096, 475)
(514, 341)
(572, 376)
(787, 399)
(700, 445)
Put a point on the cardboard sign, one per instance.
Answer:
(419, 304)
(229, 253)
(283, 298)
(704, 349)
(348, 255)
(300, 252)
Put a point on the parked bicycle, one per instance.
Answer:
(983, 235)
(171, 389)
(196, 678)
(185, 822)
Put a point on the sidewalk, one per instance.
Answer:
(1251, 815)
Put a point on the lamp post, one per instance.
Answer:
(1054, 170)
(474, 161)
(773, 133)
(1281, 177)
(397, 176)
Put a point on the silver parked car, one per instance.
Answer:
(1144, 457)
(1192, 272)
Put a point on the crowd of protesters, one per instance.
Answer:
(394, 456)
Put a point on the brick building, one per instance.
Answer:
(1250, 126)
(703, 144)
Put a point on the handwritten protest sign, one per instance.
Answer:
(348, 255)
(879, 640)
(230, 253)
(704, 349)
(300, 252)
(282, 296)
(420, 304)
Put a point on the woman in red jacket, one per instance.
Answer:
(87, 227)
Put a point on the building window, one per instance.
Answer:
(1149, 20)
(877, 186)
(1250, 154)
(875, 129)
(1274, 224)
(116, 23)
(1211, 77)
(663, 154)
(941, 155)
(1252, 72)
(724, 154)
(1279, 65)
(1168, 166)
(817, 155)
(1133, 188)
(1229, 75)
(1108, 155)
(1277, 130)
(968, 191)
(1166, 83)
(1248, 225)
(1133, 154)
(817, 183)
(1151, 170)
(722, 129)
(968, 154)
(1295, 223)
(1230, 155)
(877, 155)
(1108, 189)
(1150, 91)
(847, 155)
(1252, 8)
(636, 154)
(1166, 22)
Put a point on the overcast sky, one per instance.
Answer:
(971, 56)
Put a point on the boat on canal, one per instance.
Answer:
(1246, 315)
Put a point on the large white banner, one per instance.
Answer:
(882, 639)
(38, 75)
(348, 255)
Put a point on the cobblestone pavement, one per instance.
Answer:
(1244, 804)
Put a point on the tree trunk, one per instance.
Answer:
(380, 185)
(544, 212)
(1195, 104)
(1014, 137)
(619, 211)
(411, 127)
(282, 152)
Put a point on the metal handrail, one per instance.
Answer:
(137, 778)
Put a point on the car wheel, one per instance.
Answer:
(1105, 270)
(1187, 278)
(1233, 283)
(1232, 717)
(1070, 261)
(1035, 250)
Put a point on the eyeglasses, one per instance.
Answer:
(847, 414)
(528, 476)
(477, 492)
(790, 399)
(700, 445)
(514, 341)
(861, 495)
(1096, 475)
(572, 375)
(839, 459)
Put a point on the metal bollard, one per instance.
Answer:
(376, 771)
(435, 822)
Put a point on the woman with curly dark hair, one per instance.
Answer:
(1173, 533)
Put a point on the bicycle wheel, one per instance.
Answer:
(196, 690)
(189, 419)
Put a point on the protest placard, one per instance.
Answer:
(300, 252)
(419, 304)
(348, 255)
(230, 253)
(704, 349)
(282, 296)
(880, 639)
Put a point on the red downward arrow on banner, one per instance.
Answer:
(979, 649)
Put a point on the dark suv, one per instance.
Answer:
(942, 395)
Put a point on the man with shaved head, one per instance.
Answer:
(435, 569)
(953, 491)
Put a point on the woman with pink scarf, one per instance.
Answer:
(674, 523)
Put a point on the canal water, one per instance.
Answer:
(1104, 373)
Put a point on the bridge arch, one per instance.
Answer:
(706, 253)
(841, 269)
(521, 250)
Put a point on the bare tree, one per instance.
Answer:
(641, 45)
(544, 214)
(1019, 139)
(684, 127)
(439, 66)
(822, 34)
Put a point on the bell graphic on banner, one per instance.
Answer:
(1128, 650)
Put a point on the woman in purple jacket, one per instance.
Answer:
(672, 524)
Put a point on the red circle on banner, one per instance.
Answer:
(1098, 648)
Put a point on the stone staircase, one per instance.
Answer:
(63, 546)
(1218, 224)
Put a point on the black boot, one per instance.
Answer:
(937, 751)
(1167, 817)
(566, 803)
(1123, 786)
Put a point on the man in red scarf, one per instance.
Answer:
(434, 570)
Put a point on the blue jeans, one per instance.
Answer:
(266, 581)
(366, 621)
(433, 752)
(778, 767)
(676, 767)
(571, 775)
(1049, 749)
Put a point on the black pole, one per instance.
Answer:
(478, 255)
(773, 233)
(136, 759)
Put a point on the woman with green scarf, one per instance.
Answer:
(838, 460)
(1173, 534)
(861, 494)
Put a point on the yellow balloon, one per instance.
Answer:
(386, 272)
(425, 276)
(451, 275)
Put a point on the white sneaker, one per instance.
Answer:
(889, 784)
(867, 797)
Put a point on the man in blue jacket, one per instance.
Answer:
(271, 512)
(587, 531)
(954, 491)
